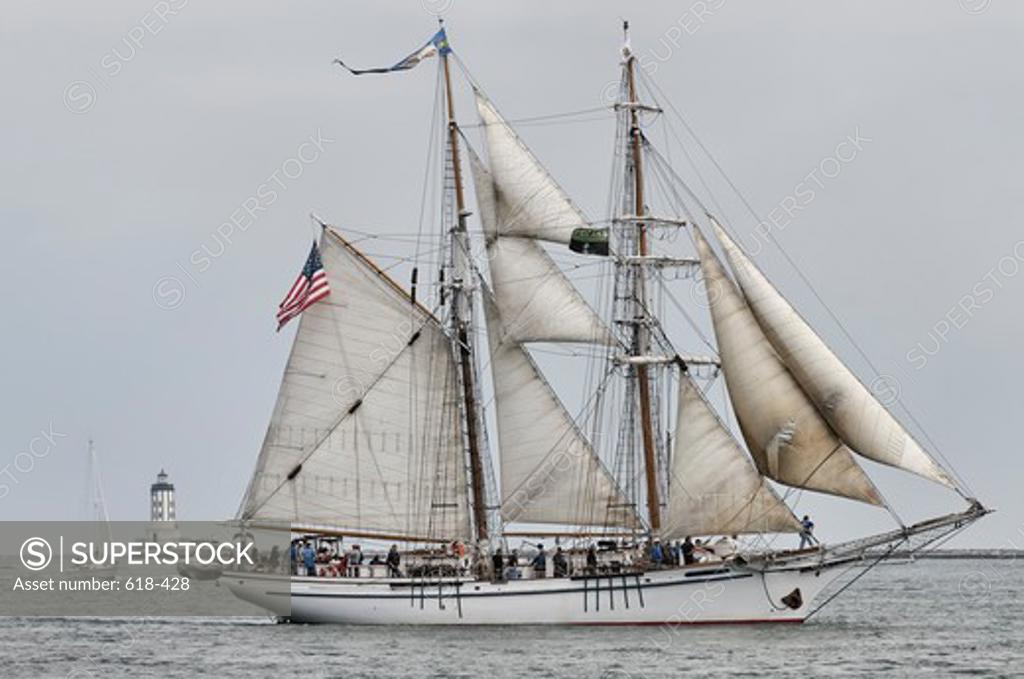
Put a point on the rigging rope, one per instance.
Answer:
(531, 120)
(864, 572)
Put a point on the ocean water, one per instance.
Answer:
(930, 618)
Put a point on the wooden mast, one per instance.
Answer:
(640, 329)
(459, 302)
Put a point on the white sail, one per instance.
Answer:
(529, 202)
(713, 487)
(549, 471)
(788, 439)
(486, 196)
(537, 301)
(368, 408)
(853, 412)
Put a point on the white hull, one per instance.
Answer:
(718, 593)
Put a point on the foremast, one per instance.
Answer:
(455, 288)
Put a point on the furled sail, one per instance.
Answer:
(537, 302)
(853, 412)
(713, 487)
(529, 201)
(549, 471)
(365, 433)
(788, 439)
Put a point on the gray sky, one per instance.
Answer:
(132, 132)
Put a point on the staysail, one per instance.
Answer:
(788, 439)
(549, 470)
(713, 487)
(537, 301)
(530, 202)
(842, 399)
(365, 431)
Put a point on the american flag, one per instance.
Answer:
(310, 287)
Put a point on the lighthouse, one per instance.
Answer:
(161, 499)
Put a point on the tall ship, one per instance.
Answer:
(418, 415)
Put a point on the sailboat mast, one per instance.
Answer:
(459, 319)
(97, 503)
(641, 339)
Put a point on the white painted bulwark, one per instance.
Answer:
(712, 593)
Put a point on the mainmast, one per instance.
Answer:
(641, 338)
(460, 318)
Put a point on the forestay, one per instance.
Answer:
(713, 487)
(788, 439)
(368, 408)
(853, 412)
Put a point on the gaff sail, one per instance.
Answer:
(365, 431)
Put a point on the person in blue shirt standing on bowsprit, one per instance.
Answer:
(807, 532)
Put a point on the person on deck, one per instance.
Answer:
(513, 565)
(355, 560)
(807, 532)
(656, 554)
(561, 564)
(673, 553)
(339, 565)
(591, 559)
(686, 549)
(309, 559)
(393, 561)
(498, 564)
(540, 563)
(459, 551)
